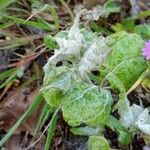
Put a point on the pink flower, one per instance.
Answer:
(146, 50)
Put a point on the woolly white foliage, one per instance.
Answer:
(81, 102)
(135, 117)
(91, 15)
(75, 46)
(69, 46)
(143, 122)
(94, 14)
(98, 11)
(94, 56)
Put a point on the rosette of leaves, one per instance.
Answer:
(84, 105)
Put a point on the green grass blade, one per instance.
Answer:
(9, 80)
(45, 24)
(17, 73)
(99, 29)
(42, 118)
(5, 25)
(51, 131)
(18, 42)
(6, 73)
(40, 25)
(19, 10)
(55, 16)
(141, 15)
(48, 113)
(30, 111)
(5, 3)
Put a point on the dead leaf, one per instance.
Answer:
(21, 142)
(91, 3)
(13, 106)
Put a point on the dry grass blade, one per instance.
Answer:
(18, 42)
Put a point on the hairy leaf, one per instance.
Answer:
(143, 31)
(98, 11)
(57, 81)
(143, 122)
(124, 137)
(110, 7)
(87, 131)
(135, 117)
(86, 104)
(125, 64)
(98, 143)
(70, 43)
(50, 42)
(94, 56)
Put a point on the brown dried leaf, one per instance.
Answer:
(91, 3)
(13, 106)
(20, 142)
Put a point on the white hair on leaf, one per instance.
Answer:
(94, 56)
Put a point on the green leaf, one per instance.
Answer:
(142, 15)
(56, 83)
(135, 117)
(87, 131)
(53, 97)
(126, 25)
(16, 42)
(86, 104)
(50, 42)
(94, 56)
(99, 29)
(124, 137)
(143, 31)
(98, 143)
(110, 7)
(125, 64)
(143, 122)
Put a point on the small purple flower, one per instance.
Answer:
(146, 50)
